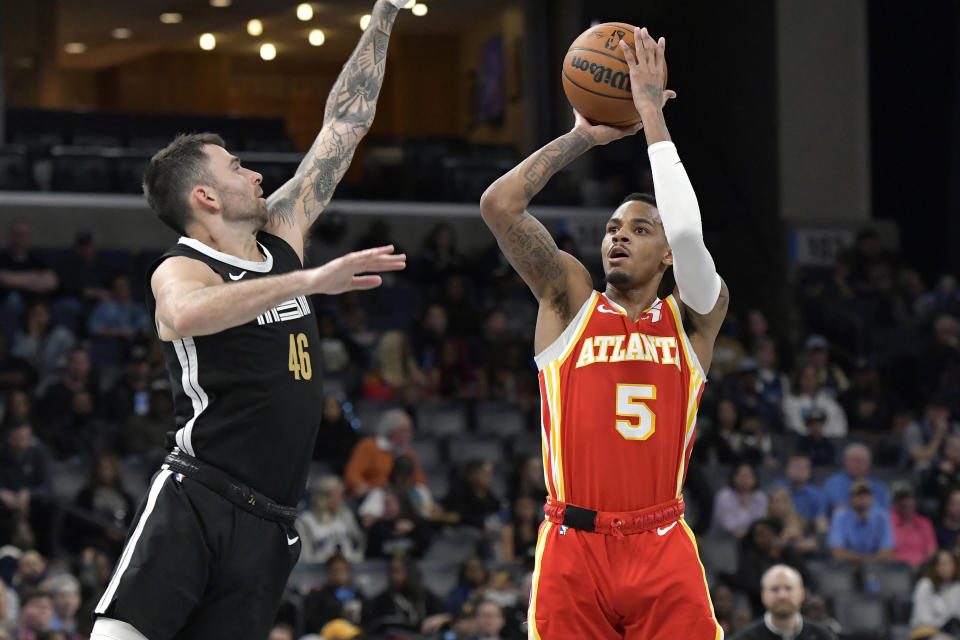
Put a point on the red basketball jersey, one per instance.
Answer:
(619, 406)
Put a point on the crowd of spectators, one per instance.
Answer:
(836, 433)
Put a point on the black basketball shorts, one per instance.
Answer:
(196, 566)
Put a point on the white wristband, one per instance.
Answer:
(402, 4)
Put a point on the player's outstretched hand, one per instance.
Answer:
(602, 134)
(648, 70)
(343, 274)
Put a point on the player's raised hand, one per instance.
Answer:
(648, 70)
(343, 274)
(602, 134)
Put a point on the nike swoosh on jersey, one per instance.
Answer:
(605, 309)
(664, 530)
(237, 277)
(292, 541)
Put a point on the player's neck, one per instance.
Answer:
(238, 241)
(635, 299)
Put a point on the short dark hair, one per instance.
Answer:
(172, 172)
(642, 197)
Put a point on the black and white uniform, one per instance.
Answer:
(248, 402)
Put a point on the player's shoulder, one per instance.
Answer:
(182, 268)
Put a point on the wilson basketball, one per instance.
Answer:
(596, 78)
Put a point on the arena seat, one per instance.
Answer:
(498, 418)
(860, 613)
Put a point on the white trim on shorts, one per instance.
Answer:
(132, 543)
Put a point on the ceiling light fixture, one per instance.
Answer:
(74, 47)
(171, 18)
(365, 22)
(268, 51)
(419, 9)
(316, 37)
(304, 11)
(255, 27)
(220, 3)
(208, 42)
(121, 33)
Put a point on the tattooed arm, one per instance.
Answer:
(348, 116)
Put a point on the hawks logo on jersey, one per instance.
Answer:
(619, 402)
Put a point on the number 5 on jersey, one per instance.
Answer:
(635, 420)
(299, 358)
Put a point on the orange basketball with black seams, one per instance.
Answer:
(596, 78)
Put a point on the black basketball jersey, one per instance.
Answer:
(248, 400)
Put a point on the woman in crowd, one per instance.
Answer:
(740, 504)
(936, 598)
(328, 526)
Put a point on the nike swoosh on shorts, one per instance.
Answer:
(664, 530)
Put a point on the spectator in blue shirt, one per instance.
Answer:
(119, 316)
(861, 532)
(856, 466)
(808, 499)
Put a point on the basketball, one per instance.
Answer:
(596, 78)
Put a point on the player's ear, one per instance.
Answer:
(206, 198)
(668, 257)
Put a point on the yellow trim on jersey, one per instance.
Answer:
(533, 633)
(557, 399)
(706, 587)
(696, 382)
(580, 330)
(689, 354)
(551, 387)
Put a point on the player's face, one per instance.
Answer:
(238, 188)
(782, 593)
(634, 247)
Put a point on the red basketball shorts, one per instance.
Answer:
(643, 586)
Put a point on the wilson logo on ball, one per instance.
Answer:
(603, 74)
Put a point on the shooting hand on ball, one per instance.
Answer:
(647, 71)
(601, 133)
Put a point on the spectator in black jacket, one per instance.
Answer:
(782, 595)
(406, 604)
(338, 598)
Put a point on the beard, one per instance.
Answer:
(617, 278)
(783, 609)
(246, 211)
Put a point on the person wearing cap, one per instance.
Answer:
(856, 465)
(861, 532)
(815, 444)
(373, 457)
(816, 351)
(923, 438)
(808, 394)
(782, 594)
(913, 535)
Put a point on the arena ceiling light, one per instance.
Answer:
(268, 51)
(304, 11)
(255, 27)
(316, 37)
(419, 9)
(75, 48)
(220, 3)
(365, 21)
(121, 33)
(171, 18)
(208, 42)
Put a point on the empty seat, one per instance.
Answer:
(370, 412)
(860, 613)
(440, 578)
(438, 480)
(832, 579)
(441, 418)
(720, 553)
(526, 443)
(501, 419)
(449, 550)
(370, 577)
(428, 452)
(307, 576)
(464, 448)
(888, 579)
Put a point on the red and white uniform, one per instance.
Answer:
(619, 406)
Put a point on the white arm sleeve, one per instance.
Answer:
(693, 266)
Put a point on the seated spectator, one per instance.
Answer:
(501, 589)
(856, 466)
(396, 376)
(518, 538)
(948, 527)
(716, 445)
(774, 385)
(399, 531)
(78, 376)
(402, 483)
(865, 404)
(941, 356)
(760, 550)
(815, 608)
(343, 359)
(795, 532)
(328, 527)
(26, 486)
(81, 432)
(31, 572)
(722, 599)
(453, 375)
(750, 442)
(808, 499)
(815, 444)
(338, 598)
(470, 585)
(528, 479)
(862, 531)
(922, 438)
(490, 621)
(782, 595)
(440, 257)
(36, 615)
(747, 392)
(740, 504)
(727, 350)
(471, 496)
(24, 275)
(18, 407)
(405, 604)
(43, 345)
(373, 457)
(337, 436)
(936, 596)
(145, 435)
(65, 592)
(281, 631)
(913, 535)
(816, 352)
(119, 316)
(944, 473)
(15, 373)
(109, 507)
(807, 395)
(82, 275)
(130, 394)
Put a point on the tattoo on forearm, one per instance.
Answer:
(533, 253)
(549, 160)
